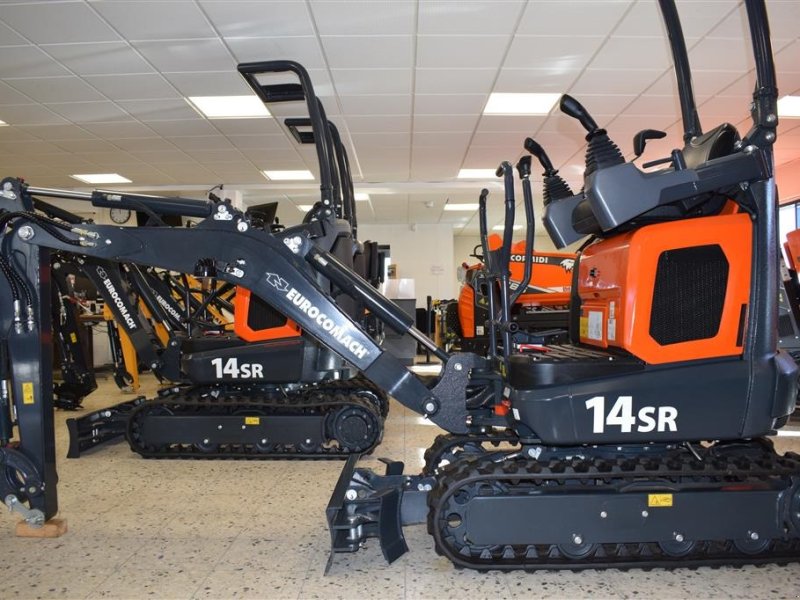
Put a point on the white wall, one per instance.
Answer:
(462, 248)
(421, 252)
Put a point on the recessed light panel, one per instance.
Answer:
(229, 107)
(302, 175)
(95, 178)
(789, 106)
(520, 104)
(304, 207)
(477, 173)
(503, 228)
(361, 196)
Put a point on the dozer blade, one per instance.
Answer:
(367, 505)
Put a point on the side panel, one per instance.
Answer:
(648, 281)
(243, 323)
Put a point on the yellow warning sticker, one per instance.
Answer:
(659, 500)
(74, 338)
(27, 392)
(584, 332)
(252, 420)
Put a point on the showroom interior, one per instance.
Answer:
(399, 298)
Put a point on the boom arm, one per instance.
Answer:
(275, 268)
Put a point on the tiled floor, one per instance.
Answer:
(190, 529)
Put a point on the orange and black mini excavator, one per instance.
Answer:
(643, 442)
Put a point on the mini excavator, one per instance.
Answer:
(641, 443)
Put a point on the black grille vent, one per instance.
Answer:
(689, 294)
(262, 316)
(785, 328)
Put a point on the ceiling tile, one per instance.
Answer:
(9, 95)
(555, 53)
(170, 109)
(455, 81)
(184, 127)
(31, 114)
(374, 124)
(28, 61)
(10, 38)
(132, 87)
(461, 51)
(90, 112)
(247, 126)
(535, 80)
(56, 89)
(201, 142)
(187, 55)
(522, 124)
(273, 141)
(697, 18)
(378, 140)
(222, 83)
(304, 50)
(634, 53)
(163, 157)
(787, 60)
(56, 22)
(58, 132)
(437, 17)
(713, 54)
(783, 18)
(78, 146)
(11, 133)
(119, 130)
(211, 156)
(609, 81)
(382, 17)
(455, 140)
(32, 147)
(368, 52)
(143, 20)
(444, 122)
(258, 19)
(372, 81)
(655, 105)
(557, 17)
(449, 104)
(376, 105)
(98, 59)
(143, 143)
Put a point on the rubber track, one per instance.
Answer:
(447, 442)
(326, 397)
(568, 474)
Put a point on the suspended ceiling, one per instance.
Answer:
(99, 86)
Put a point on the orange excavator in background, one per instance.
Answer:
(539, 315)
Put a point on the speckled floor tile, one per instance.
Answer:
(247, 584)
(174, 584)
(57, 581)
(232, 529)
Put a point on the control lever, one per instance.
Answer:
(601, 152)
(554, 185)
(640, 139)
(572, 108)
(524, 171)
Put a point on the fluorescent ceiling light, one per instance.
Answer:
(229, 107)
(520, 104)
(94, 178)
(361, 196)
(304, 207)
(3, 124)
(503, 228)
(303, 175)
(461, 207)
(789, 106)
(477, 173)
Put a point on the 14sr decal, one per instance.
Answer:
(649, 418)
(233, 369)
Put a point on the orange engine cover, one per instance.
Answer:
(252, 327)
(671, 291)
(792, 247)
